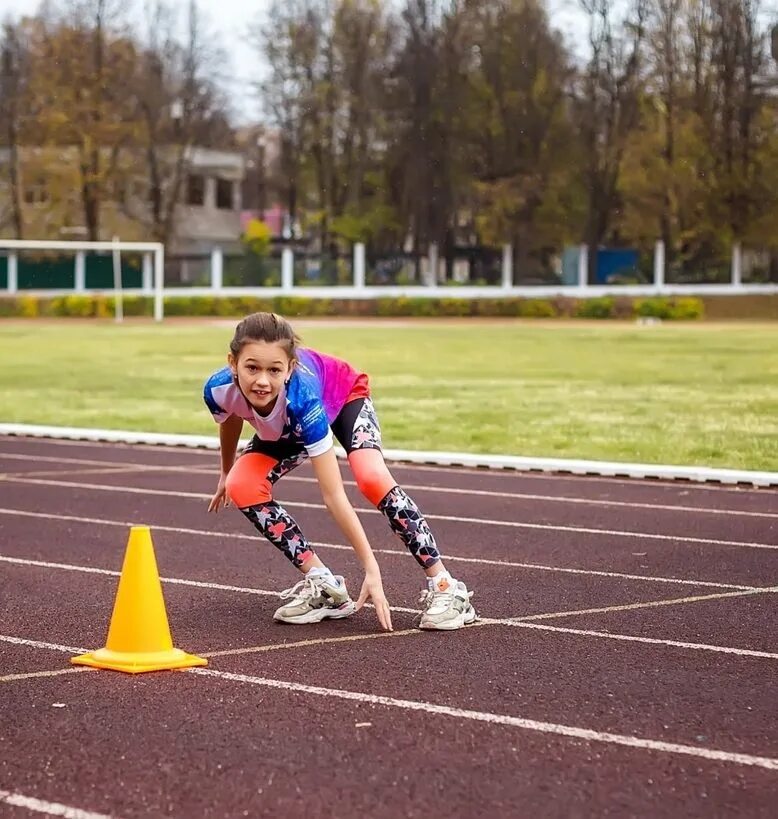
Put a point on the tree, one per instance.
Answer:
(14, 77)
(607, 111)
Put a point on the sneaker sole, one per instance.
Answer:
(317, 615)
(465, 619)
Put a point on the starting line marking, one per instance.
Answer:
(19, 800)
(134, 490)
(29, 675)
(234, 652)
(570, 731)
(518, 621)
(394, 552)
(744, 652)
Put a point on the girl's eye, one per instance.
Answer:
(275, 370)
(251, 368)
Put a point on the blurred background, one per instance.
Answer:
(551, 129)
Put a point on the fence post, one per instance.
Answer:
(583, 266)
(159, 282)
(147, 280)
(79, 272)
(287, 269)
(217, 268)
(432, 263)
(13, 272)
(507, 267)
(737, 265)
(359, 266)
(659, 265)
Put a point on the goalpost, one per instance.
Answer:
(153, 255)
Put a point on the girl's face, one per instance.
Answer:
(261, 368)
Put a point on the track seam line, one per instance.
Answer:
(31, 803)
(391, 552)
(573, 732)
(483, 621)
(203, 470)
(449, 518)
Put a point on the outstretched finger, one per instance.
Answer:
(384, 615)
(361, 599)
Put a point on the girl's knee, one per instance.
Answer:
(247, 482)
(375, 483)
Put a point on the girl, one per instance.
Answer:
(295, 399)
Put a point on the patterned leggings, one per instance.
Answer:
(251, 480)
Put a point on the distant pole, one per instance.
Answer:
(737, 265)
(217, 268)
(80, 272)
(432, 261)
(583, 265)
(659, 264)
(159, 282)
(507, 267)
(359, 266)
(117, 281)
(13, 272)
(287, 269)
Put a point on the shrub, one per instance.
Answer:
(536, 308)
(655, 307)
(28, 306)
(687, 308)
(597, 308)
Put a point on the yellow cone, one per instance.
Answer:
(139, 636)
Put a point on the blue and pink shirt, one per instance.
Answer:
(318, 389)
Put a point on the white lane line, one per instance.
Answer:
(632, 606)
(393, 552)
(134, 490)
(19, 800)
(4, 638)
(30, 675)
(54, 473)
(573, 732)
(202, 470)
(609, 635)
(233, 652)
(483, 621)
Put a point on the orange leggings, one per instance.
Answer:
(251, 479)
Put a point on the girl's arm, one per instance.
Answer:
(327, 471)
(229, 435)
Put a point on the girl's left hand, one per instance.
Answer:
(373, 588)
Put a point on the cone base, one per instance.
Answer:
(139, 662)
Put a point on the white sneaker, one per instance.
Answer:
(314, 599)
(446, 608)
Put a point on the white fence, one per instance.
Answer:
(153, 278)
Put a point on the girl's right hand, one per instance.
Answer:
(220, 498)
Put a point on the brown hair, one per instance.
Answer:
(267, 327)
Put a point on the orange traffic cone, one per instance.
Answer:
(139, 636)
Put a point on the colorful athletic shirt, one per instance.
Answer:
(314, 395)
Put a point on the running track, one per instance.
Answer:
(624, 665)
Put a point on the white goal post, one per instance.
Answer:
(153, 255)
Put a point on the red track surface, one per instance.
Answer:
(556, 713)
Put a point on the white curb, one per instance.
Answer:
(698, 474)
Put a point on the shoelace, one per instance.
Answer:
(305, 588)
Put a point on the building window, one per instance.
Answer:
(195, 190)
(37, 193)
(224, 194)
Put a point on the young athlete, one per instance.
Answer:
(295, 399)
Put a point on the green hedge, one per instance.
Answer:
(605, 307)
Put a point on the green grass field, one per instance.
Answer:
(703, 394)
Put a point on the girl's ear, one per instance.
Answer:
(233, 366)
(292, 365)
